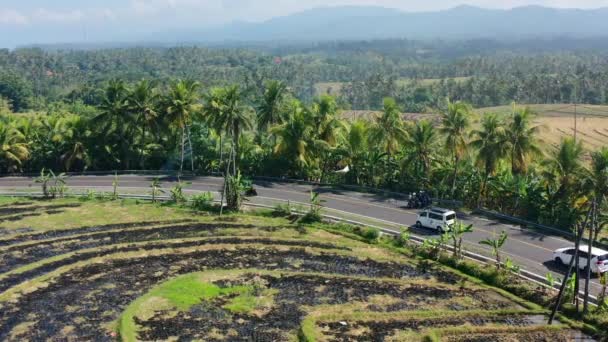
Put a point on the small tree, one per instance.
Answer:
(177, 193)
(235, 191)
(155, 188)
(456, 234)
(496, 245)
(314, 213)
(203, 201)
(59, 187)
(115, 186)
(601, 299)
(44, 180)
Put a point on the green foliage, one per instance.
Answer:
(202, 201)
(457, 232)
(177, 193)
(156, 189)
(314, 212)
(235, 191)
(496, 245)
(403, 239)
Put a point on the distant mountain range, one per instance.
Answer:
(363, 23)
(463, 22)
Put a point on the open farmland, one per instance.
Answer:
(195, 276)
(557, 121)
(335, 88)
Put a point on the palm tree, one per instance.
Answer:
(490, 143)
(455, 122)
(115, 120)
(496, 245)
(522, 140)
(328, 127)
(235, 117)
(180, 105)
(389, 131)
(213, 111)
(598, 183)
(421, 139)
(354, 146)
(13, 147)
(143, 104)
(74, 143)
(565, 168)
(295, 136)
(270, 108)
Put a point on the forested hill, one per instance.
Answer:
(463, 22)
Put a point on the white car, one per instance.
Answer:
(436, 218)
(599, 258)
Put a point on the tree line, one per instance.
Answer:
(483, 73)
(498, 162)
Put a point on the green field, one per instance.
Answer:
(86, 269)
(335, 88)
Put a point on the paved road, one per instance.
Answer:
(531, 250)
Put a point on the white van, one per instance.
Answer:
(436, 218)
(599, 258)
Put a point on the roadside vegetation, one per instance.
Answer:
(169, 270)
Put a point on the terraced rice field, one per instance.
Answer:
(165, 273)
(557, 121)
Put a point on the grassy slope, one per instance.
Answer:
(183, 292)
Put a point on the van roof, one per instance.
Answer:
(441, 210)
(594, 251)
(585, 248)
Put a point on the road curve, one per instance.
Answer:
(531, 250)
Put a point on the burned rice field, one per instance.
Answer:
(66, 274)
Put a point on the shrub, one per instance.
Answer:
(282, 210)
(202, 201)
(370, 234)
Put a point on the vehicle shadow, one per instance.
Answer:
(553, 266)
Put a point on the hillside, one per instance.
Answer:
(463, 22)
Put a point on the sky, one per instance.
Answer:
(23, 21)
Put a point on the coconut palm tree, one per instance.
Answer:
(235, 118)
(181, 105)
(421, 140)
(115, 121)
(270, 109)
(565, 168)
(490, 143)
(13, 147)
(296, 136)
(143, 104)
(353, 148)
(598, 183)
(389, 131)
(522, 140)
(454, 126)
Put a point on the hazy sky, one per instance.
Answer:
(26, 21)
(186, 12)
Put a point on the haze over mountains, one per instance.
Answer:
(352, 23)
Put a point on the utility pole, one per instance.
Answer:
(576, 90)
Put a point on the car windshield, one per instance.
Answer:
(450, 217)
(602, 257)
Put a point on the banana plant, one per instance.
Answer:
(496, 245)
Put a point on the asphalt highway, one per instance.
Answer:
(529, 249)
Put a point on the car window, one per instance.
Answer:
(582, 254)
(436, 217)
(422, 214)
(450, 217)
(569, 251)
(602, 257)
